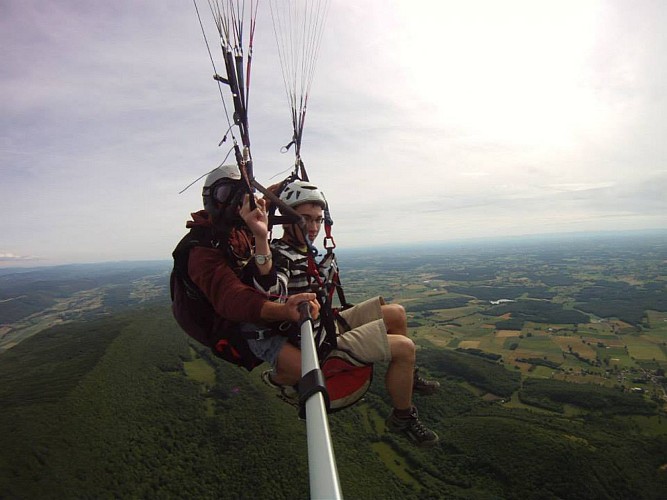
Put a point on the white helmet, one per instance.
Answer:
(299, 192)
(231, 172)
(220, 186)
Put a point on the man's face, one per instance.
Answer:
(312, 215)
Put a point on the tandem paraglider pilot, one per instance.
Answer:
(209, 299)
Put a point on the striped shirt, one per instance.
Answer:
(291, 274)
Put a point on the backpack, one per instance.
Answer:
(195, 314)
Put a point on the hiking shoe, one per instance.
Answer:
(287, 393)
(420, 385)
(413, 428)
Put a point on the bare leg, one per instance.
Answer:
(400, 372)
(288, 366)
(404, 417)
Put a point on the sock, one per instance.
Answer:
(271, 374)
(405, 414)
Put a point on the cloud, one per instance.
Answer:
(10, 257)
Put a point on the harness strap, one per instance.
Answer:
(324, 343)
(259, 334)
(329, 243)
(198, 236)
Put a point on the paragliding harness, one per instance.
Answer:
(347, 379)
(195, 314)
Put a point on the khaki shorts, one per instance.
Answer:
(366, 339)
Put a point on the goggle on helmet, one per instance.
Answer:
(220, 190)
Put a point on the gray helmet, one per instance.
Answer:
(298, 192)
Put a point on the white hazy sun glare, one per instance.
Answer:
(514, 72)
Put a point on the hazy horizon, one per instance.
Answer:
(401, 247)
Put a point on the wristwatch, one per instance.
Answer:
(262, 259)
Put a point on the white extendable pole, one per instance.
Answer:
(324, 483)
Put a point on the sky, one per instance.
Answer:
(427, 121)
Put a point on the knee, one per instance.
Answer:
(402, 348)
(395, 318)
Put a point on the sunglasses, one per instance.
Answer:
(310, 220)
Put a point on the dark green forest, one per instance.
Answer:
(554, 394)
(617, 299)
(539, 312)
(104, 409)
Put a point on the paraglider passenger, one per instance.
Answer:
(377, 331)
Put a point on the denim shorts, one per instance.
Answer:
(268, 349)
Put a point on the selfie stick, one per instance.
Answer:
(313, 400)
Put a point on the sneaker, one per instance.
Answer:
(413, 428)
(423, 386)
(287, 393)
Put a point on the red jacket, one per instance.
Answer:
(209, 269)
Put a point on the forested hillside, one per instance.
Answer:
(124, 407)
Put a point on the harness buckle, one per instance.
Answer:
(329, 243)
(262, 334)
